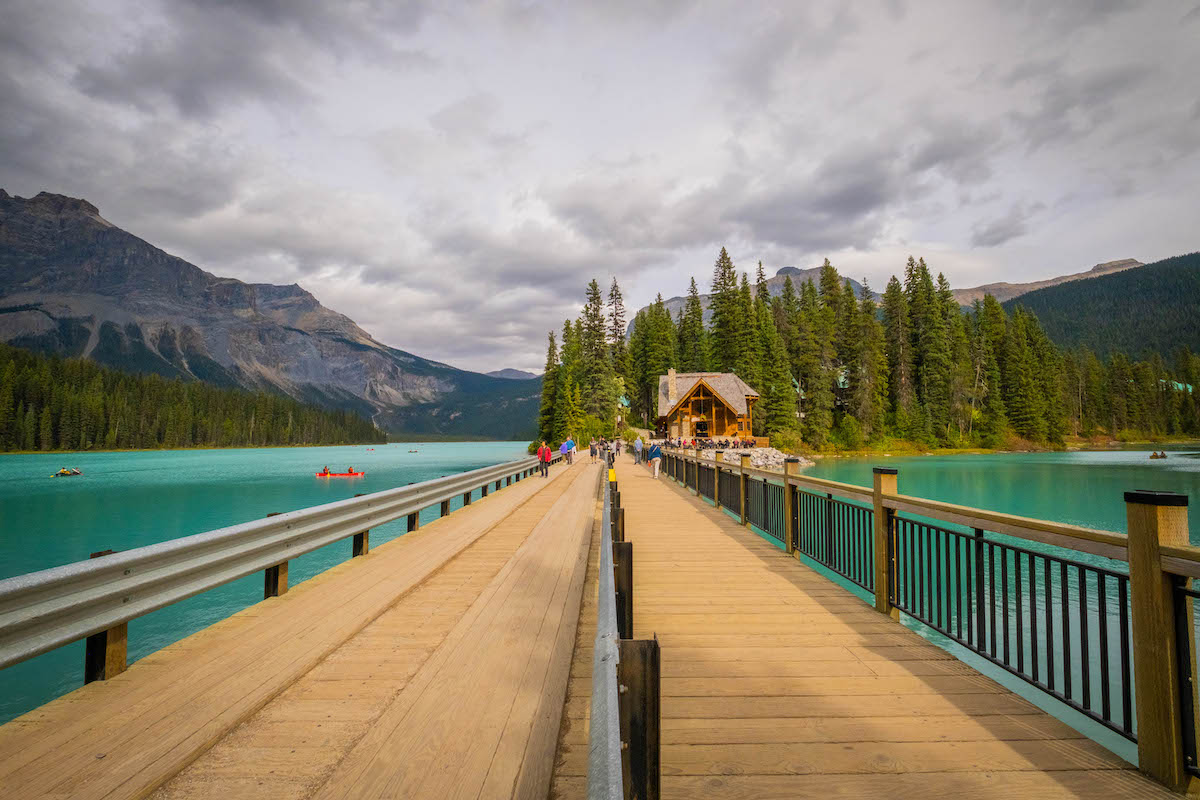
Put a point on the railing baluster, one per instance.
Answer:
(1126, 684)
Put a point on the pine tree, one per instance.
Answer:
(619, 352)
(749, 357)
(870, 385)
(692, 355)
(779, 398)
(546, 412)
(898, 337)
(724, 302)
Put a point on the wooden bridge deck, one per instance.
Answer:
(435, 666)
(777, 683)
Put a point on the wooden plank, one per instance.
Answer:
(155, 720)
(779, 683)
(440, 735)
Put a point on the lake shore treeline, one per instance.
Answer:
(52, 403)
(836, 369)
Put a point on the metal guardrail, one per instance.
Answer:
(605, 779)
(44, 610)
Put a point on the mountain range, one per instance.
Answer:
(74, 284)
(1152, 309)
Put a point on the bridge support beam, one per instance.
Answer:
(623, 583)
(639, 709)
(886, 481)
(1156, 519)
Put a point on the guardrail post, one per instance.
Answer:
(508, 481)
(791, 466)
(743, 486)
(886, 481)
(104, 653)
(414, 521)
(1155, 519)
(275, 578)
(483, 490)
(623, 581)
(639, 708)
(466, 499)
(362, 541)
(445, 508)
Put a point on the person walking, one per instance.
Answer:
(570, 451)
(544, 456)
(655, 458)
(637, 450)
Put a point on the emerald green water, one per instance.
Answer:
(128, 500)
(1077, 488)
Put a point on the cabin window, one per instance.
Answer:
(741, 425)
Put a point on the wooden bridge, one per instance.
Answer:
(458, 660)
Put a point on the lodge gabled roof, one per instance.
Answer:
(732, 390)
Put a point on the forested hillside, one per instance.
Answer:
(917, 367)
(51, 403)
(1152, 309)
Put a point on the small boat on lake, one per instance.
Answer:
(67, 473)
(350, 474)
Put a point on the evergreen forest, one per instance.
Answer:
(836, 369)
(51, 403)
(1151, 309)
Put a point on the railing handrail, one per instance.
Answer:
(43, 610)
(605, 778)
(1093, 541)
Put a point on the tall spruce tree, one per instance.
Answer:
(725, 304)
(546, 411)
(870, 398)
(619, 351)
(692, 354)
(597, 369)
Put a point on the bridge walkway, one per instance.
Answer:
(434, 666)
(777, 683)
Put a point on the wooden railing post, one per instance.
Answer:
(275, 578)
(623, 581)
(743, 486)
(791, 466)
(104, 653)
(1156, 519)
(639, 709)
(886, 481)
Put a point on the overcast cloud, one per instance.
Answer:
(450, 175)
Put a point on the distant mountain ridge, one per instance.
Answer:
(1007, 291)
(73, 283)
(513, 374)
(1152, 309)
(774, 287)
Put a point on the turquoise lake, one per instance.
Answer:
(1080, 488)
(128, 500)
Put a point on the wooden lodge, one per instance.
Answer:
(703, 405)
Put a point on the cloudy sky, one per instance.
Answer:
(451, 174)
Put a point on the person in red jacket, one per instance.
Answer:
(544, 456)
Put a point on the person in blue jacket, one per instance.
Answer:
(655, 456)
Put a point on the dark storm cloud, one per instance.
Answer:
(1072, 104)
(204, 54)
(1015, 223)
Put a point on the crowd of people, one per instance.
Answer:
(711, 444)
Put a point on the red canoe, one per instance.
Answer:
(340, 474)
